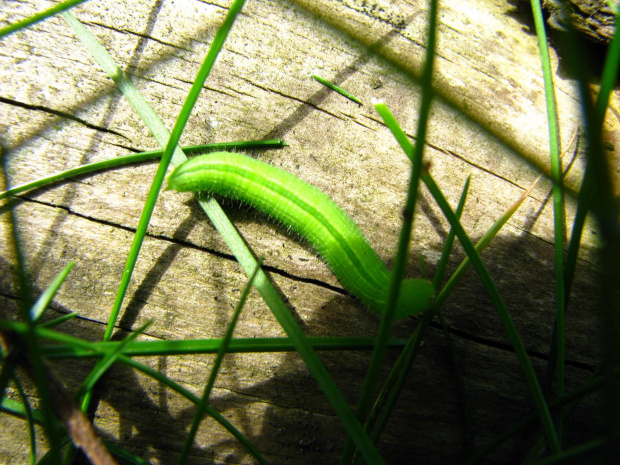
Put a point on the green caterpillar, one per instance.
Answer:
(310, 213)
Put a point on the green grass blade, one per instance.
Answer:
(5, 31)
(196, 400)
(335, 88)
(502, 311)
(142, 107)
(29, 344)
(608, 80)
(136, 158)
(558, 200)
(489, 235)
(590, 452)
(32, 437)
(402, 255)
(67, 346)
(569, 397)
(39, 307)
(151, 119)
(449, 243)
(9, 365)
(292, 329)
(58, 321)
(108, 360)
(489, 285)
(18, 409)
(189, 440)
(393, 385)
(22, 329)
(124, 455)
(603, 207)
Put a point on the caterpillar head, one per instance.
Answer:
(416, 296)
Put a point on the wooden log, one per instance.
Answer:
(59, 110)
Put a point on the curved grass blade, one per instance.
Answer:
(108, 360)
(136, 158)
(22, 329)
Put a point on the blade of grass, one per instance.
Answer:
(402, 255)
(393, 385)
(29, 21)
(448, 245)
(335, 88)
(223, 349)
(608, 80)
(39, 307)
(22, 329)
(108, 360)
(67, 346)
(569, 397)
(558, 202)
(491, 289)
(9, 364)
(241, 252)
(590, 452)
(125, 85)
(292, 329)
(30, 344)
(58, 321)
(30, 420)
(502, 311)
(126, 456)
(490, 234)
(171, 143)
(136, 158)
(602, 206)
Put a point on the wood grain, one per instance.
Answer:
(58, 110)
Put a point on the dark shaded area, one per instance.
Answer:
(299, 425)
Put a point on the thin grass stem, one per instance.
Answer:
(223, 349)
(558, 202)
(136, 158)
(402, 255)
(30, 20)
(336, 88)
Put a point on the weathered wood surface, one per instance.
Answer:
(59, 110)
